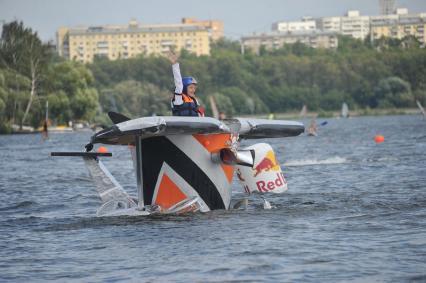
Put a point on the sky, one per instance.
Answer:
(240, 17)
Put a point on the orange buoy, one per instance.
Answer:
(379, 138)
(102, 149)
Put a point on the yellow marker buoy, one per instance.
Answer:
(102, 149)
(379, 138)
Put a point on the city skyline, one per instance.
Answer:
(240, 17)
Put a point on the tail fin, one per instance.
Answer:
(117, 117)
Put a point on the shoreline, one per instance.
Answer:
(286, 115)
(337, 114)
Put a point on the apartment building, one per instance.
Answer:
(331, 24)
(399, 25)
(352, 24)
(275, 40)
(85, 43)
(214, 27)
(355, 25)
(306, 24)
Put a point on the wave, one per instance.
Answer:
(308, 162)
(381, 159)
(22, 204)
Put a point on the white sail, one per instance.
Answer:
(421, 108)
(345, 110)
(215, 111)
(303, 111)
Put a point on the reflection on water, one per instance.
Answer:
(355, 210)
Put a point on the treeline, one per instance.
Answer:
(31, 74)
(388, 73)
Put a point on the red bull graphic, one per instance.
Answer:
(266, 175)
(268, 162)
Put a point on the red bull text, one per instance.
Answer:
(265, 187)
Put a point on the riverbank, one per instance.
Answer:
(286, 115)
(336, 114)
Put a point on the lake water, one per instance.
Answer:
(355, 211)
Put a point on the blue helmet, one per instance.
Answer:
(186, 81)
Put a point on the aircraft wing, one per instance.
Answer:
(123, 133)
(250, 128)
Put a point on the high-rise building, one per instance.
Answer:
(275, 40)
(387, 7)
(399, 25)
(352, 24)
(355, 25)
(322, 32)
(214, 27)
(85, 43)
(306, 24)
(332, 24)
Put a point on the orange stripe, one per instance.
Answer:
(214, 142)
(229, 172)
(168, 193)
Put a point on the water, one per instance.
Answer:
(355, 211)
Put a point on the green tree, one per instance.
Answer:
(394, 92)
(135, 99)
(22, 51)
(71, 93)
(224, 104)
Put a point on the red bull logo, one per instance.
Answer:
(265, 176)
(266, 164)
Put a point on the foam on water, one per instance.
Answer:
(308, 162)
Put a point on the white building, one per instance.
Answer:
(399, 25)
(387, 6)
(306, 24)
(352, 24)
(355, 25)
(275, 40)
(322, 32)
(329, 24)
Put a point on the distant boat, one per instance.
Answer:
(17, 129)
(345, 111)
(421, 108)
(303, 112)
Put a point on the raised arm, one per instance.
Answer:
(176, 72)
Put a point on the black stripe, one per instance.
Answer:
(156, 151)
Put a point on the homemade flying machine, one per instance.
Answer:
(186, 164)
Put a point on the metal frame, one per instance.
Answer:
(139, 175)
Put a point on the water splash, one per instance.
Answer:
(309, 162)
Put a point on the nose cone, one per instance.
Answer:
(107, 136)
